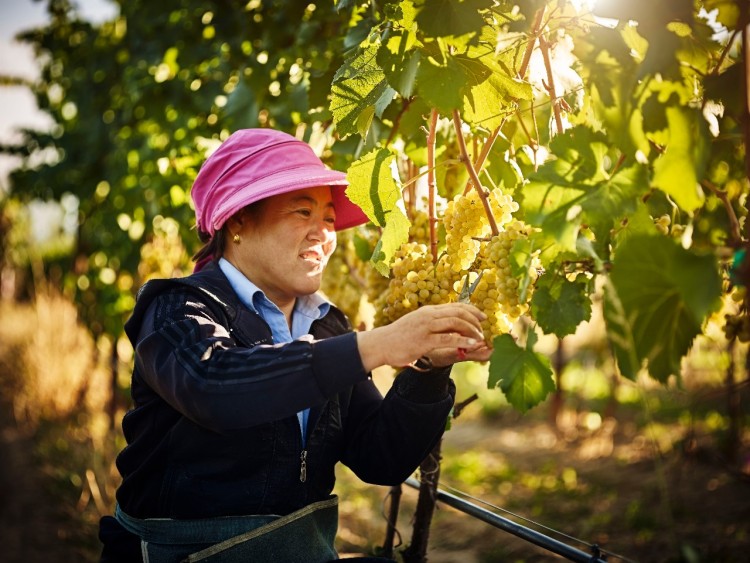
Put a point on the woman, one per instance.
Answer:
(249, 387)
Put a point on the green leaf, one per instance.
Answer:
(523, 375)
(576, 188)
(364, 120)
(399, 58)
(362, 249)
(373, 184)
(395, 234)
(441, 84)
(728, 11)
(656, 303)
(450, 18)
(495, 92)
(559, 305)
(678, 171)
(358, 85)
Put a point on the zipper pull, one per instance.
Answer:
(303, 466)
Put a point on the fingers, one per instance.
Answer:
(462, 318)
(481, 354)
(447, 325)
(447, 356)
(436, 328)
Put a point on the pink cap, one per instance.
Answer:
(253, 164)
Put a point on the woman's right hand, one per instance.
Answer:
(429, 331)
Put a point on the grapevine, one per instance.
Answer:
(470, 250)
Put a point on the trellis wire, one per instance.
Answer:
(597, 555)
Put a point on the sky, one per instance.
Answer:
(17, 105)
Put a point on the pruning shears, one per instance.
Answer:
(467, 290)
(465, 297)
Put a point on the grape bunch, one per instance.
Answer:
(469, 251)
(413, 283)
(498, 292)
(419, 231)
(375, 284)
(466, 223)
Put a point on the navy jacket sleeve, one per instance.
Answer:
(387, 438)
(188, 357)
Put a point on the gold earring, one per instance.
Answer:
(236, 239)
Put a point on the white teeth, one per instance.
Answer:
(311, 256)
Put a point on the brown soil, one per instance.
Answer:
(686, 504)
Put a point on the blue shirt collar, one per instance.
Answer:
(307, 308)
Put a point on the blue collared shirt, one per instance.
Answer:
(306, 310)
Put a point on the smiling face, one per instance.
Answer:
(285, 246)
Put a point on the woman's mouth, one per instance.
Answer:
(312, 256)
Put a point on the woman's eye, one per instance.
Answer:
(304, 212)
(330, 220)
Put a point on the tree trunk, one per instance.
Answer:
(390, 532)
(429, 475)
(558, 397)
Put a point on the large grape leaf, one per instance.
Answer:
(441, 81)
(359, 89)
(559, 305)
(575, 188)
(728, 11)
(374, 186)
(490, 99)
(395, 233)
(656, 300)
(399, 54)
(399, 59)
(523, 375)
(678, 171)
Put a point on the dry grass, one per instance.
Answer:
(56, 383)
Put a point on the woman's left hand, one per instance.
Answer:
(442, 357)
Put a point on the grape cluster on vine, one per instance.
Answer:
(469, 251)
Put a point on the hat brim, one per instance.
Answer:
(348, 214)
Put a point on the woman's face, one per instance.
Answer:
(285, 247)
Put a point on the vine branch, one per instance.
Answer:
(523, 69)
(544, 48)
(538, 17)
(735, 231)
(473, 172)
(431, 184)
(459, 407)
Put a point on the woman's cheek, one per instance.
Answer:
(330, 245)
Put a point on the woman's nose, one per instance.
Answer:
(320, 230)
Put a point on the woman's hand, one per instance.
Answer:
(447, 356)
(435, 331)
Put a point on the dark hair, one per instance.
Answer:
(213, 246)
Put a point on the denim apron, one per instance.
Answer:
(306, 535)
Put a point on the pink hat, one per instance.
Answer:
(253, 164)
